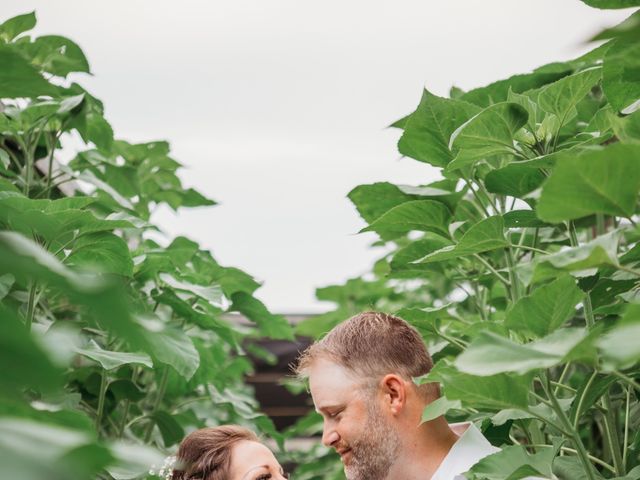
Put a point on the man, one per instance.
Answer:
(360, 377)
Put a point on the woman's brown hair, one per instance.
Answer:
(205, 454)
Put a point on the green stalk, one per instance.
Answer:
(625, 443)
(627, 379)
(559, 383)
(612, 435)
(31, 306)
(127, 405)
(582, 397)
(573, 433)
(161, 389)
(103, 392)
(493, 270)
(513, 278)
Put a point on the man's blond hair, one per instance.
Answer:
(372, 345)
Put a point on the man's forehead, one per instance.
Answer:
(332, 384)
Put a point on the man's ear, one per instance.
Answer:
(394, 392)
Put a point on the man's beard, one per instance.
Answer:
(373, 454)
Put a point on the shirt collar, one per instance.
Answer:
(470, 447)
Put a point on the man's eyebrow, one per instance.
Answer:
(325, 408)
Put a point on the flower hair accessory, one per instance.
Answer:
(166, 471)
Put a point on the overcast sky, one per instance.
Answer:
(278, 108)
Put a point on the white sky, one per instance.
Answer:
(278, 107)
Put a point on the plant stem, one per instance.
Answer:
(103, 392)
(513, 278)
(162, 386)
(627, 379)
(582, 397)
(573, 433)
(492, 270)
(625, 443)
(588, 311)
(612, 435)
(574, 451)
(480, 205)
(532, 249)
(31, 306)
(127, 405)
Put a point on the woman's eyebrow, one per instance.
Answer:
(254, 468)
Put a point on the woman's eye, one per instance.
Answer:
(265, 476)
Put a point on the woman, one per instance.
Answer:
(228, 452)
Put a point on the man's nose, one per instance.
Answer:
(329, 436)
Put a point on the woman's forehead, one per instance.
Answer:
(248, 455)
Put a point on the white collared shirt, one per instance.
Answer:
(469, 449)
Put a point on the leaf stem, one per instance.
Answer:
(31, 306)
(582, 397)
(532, 249)
(612, 435)
(160, 394)
(572, 432)
(513, 279)
(625, 442)
(627, 379)
(492, 270)
(103, 392)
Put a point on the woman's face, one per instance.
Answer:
(253, 461)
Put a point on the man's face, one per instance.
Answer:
(354, 423)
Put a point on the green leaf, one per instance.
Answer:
(497, 391)
(170, 429)
(30, 364)
(428, 129)
(487, 134)
(172, 347)
(514, 180)
(104, 252)
(612, 4)
(6, 282)
(418, 249)
(499, 91)
(620, 74)
(513, 463)
(17, 25)
(212, 293)
(522, 219)
(619, 346)
(547, 308)
(36, 449)
(57, 55)
(581, 261)
(595, 181)
(561, 97)
(110, 360)
(270, 325)
(421, 215)
(486, 235)
(133, 460)
(588, 394)
(27, 259)
(439, 407)
(491, 354)
(19, 79)
(629, 29)
(627, 128)
(192, 198)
